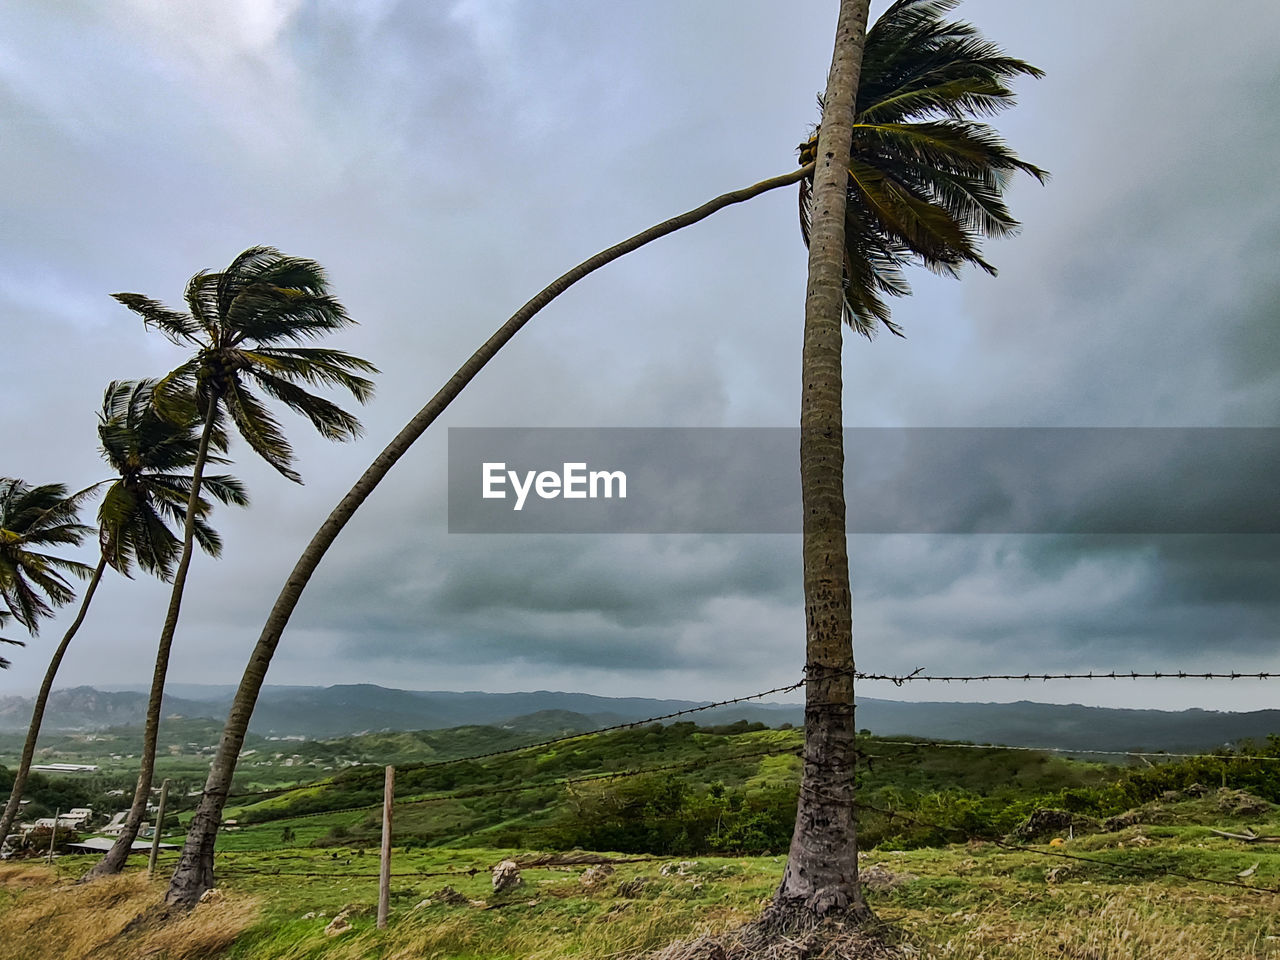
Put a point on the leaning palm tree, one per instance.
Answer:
(248, 325)
(918, 68)
(148, 455)
(32, 582)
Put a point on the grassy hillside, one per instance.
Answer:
(961, 902)
(697, 841)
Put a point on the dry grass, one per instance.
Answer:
(1133, 927)
(46, 917)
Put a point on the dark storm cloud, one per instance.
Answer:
(446, 161)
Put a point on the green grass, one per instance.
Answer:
(965, 902)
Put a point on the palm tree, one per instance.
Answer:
(32, 583)
(146, 452)
(922, 185)
(916, 67)
(247, 324)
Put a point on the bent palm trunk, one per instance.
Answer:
(42, 700)
(194, 873)
(822, 868)
(118, 855)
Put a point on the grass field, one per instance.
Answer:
(975, 901)
(1114, 888)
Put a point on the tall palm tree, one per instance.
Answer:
(909, 177)
(247, 324)
(918, 69)
(822, 869)
(147, 454)
(32, 583)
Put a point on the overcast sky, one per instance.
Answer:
(444, 161)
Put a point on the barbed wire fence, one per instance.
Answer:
(962, 835)
(896, 679)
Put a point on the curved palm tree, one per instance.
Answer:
(248, 324)
(150, 493)
(922, 185)
(918, 69)
(32, 583)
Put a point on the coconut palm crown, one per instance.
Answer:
(926, 177)
(138, 511)
(247, 323)
(32, 582)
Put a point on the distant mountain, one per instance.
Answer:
(84, 708)
(318, 712)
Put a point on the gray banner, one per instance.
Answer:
(944, 480)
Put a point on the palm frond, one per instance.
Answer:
(268, 314)
(4, 618)
(926, 179)
(318, 366)
(260, 429)
(330, 420)
(202, 297)
(179, 328)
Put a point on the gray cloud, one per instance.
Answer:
(446, 161)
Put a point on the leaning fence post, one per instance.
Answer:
(384, 874)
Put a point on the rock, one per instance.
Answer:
(1240, 803)
(594, 876)
(680, 869)
(1122, 821)
(505, 876)
(632, 888)
(877, 877)
(421, 904)
(450, 896)
(1196, 790)
(212, 895)
(339, 924)
(1054, 874)
(1047, 822)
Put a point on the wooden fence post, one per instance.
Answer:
(54, 836)
(155, 838)
(384, 875)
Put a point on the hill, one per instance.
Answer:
(346, 709)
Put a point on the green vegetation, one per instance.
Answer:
(960, 902)
(681, 790)
(705, 834)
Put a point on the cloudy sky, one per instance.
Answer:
(446, 160)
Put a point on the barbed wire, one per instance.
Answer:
(811, 670)
(918, 675)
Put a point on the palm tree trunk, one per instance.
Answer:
(118, 855)
(822, 868)
(42, 700)
(194, 873)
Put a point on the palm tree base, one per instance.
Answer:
(792, 931)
